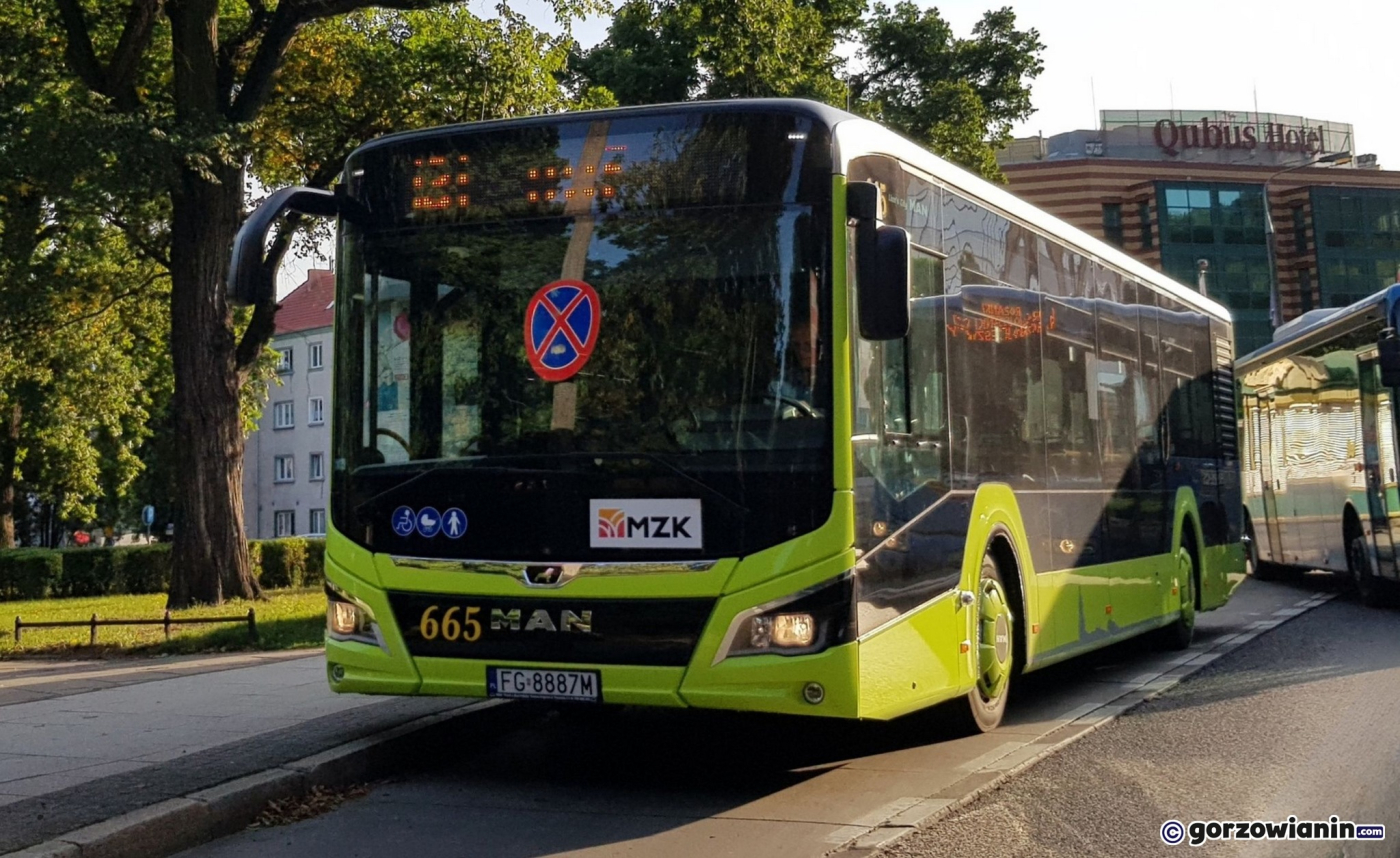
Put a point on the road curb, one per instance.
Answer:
(203, 815)
(934, 808)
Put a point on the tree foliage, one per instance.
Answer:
(958, 96)
(82, 346)
(178, 100)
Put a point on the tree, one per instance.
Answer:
(672, 50)
(188, 81)
(957, 96)
(77, 302)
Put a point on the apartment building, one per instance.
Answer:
(286, 465)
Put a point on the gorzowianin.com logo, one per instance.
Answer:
(1197, 833)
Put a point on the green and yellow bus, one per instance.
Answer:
(751, 405)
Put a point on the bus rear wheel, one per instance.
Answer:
(985, 704)
(1182, 631)
(1373, 592)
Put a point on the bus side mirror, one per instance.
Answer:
(882, 267)
(249, 283)
(1389, 358)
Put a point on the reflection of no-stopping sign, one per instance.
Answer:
(561, 328)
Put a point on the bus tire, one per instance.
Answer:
(1182, 630)
(1373, 592)
(995, 647)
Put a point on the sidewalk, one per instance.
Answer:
(82, 742)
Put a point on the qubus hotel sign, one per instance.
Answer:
(1222, 135)
(1172, 137)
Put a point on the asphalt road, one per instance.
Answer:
(1302, 719)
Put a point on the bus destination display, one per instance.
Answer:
(452, 182)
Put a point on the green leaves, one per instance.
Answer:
(661, 51)
(958, 96)
(350, 79)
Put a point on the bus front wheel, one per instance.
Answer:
(995, 651)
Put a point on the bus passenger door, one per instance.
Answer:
(1377, 415)
(1270, 482)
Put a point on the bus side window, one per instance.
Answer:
(895, 378)
(900, 413)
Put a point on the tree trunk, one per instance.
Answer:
(210, 555)
(9, 450)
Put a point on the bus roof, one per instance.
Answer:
(856, 137)
(1326, 326)
(853, 138)
(826, 114)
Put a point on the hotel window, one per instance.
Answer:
(284, 360)
(1145, 220)
(284, 523)
(314, 356)
(316, 468)
(1200, 213)
(316, 411)
(1300, 230)
(283, 415)
(318, 522)
(1113, 224)
(1241, 215)
(283, 470)
(1305, 292)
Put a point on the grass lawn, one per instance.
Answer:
(286, 619)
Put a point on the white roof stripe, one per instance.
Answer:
(857, 137)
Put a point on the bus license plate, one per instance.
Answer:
(539, 684)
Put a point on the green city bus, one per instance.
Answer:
(751, 405)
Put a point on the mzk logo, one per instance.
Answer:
(649, 523)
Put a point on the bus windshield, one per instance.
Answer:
(705, 375)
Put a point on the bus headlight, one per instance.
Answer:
(801, 624)
(349, 619)
(344, 619)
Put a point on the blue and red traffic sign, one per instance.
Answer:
(561, 328)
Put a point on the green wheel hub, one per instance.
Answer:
(1186, 580)
(993, 640)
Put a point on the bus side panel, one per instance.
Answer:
(916, 660)
(773, 683)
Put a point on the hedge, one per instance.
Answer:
(41, 573)
(29, 573)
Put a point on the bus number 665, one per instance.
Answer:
(468, 628)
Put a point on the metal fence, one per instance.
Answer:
(167, 621)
